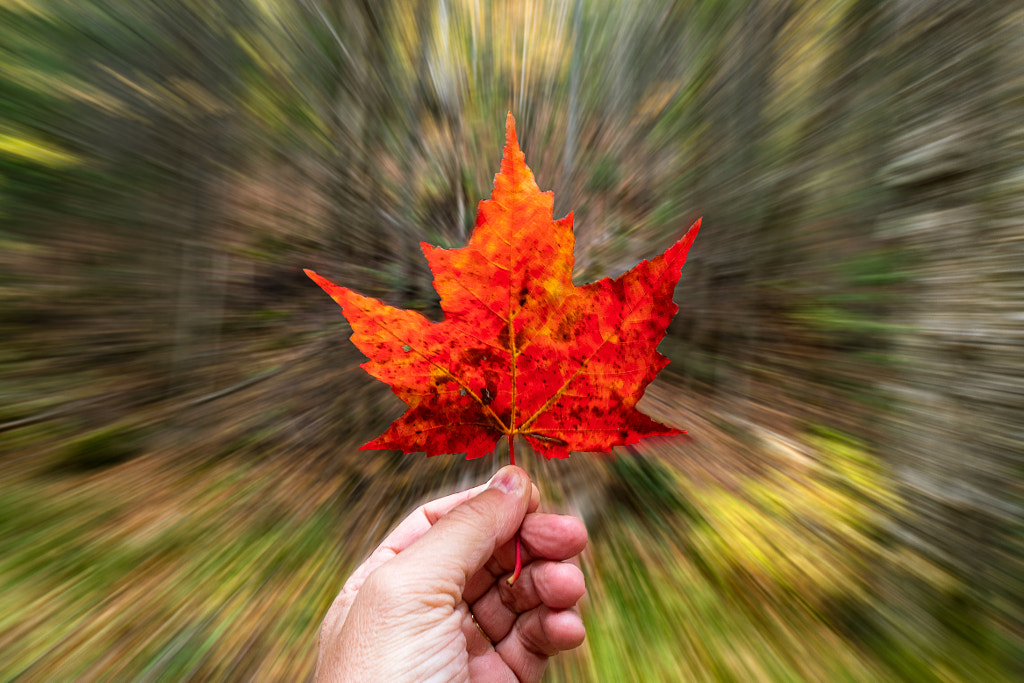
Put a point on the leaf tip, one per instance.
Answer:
(691, 233)
(319, 279)
(510, 131)
(677, 252)
(324, 283)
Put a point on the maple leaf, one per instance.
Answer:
(521, 349)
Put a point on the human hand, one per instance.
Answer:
(431, 602)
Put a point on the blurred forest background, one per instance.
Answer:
(180, 490)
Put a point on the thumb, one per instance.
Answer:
(462, 541)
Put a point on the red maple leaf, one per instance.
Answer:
(521, 349)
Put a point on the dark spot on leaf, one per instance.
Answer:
(521, 337)
(564, 333)
(473, 356)
(486, 396)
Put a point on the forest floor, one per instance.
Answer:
(207, 541)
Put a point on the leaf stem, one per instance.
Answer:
(519, 544)
(519, 562)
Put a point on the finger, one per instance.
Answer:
(553, 537)
(436, 509)
(548, 536)
(484, 663)
(537, 635)
(417, 524)
(558, 585)
(408, 530)
(489, 666)
(545, 536)
(478, 643)
(426, 515)
(459, 543)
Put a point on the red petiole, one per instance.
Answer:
(519, 545)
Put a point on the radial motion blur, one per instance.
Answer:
(181, 494)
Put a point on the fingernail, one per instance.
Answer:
(506, 480)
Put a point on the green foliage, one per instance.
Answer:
(647, 489)
(102, 448)
(801, 535)
(774, 578)
(604, 177)
(97, 561)
(855, 311)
